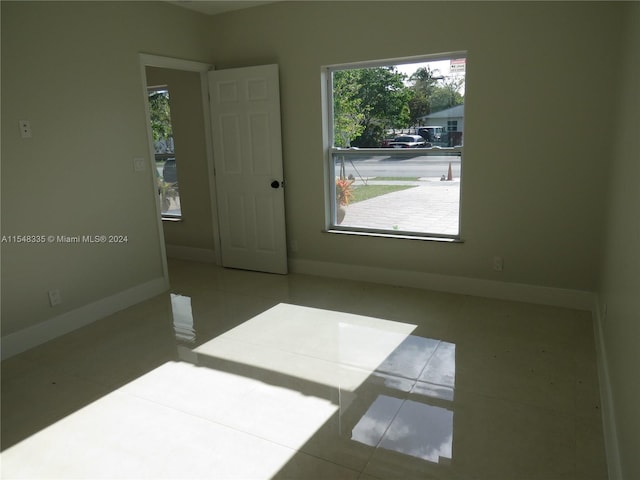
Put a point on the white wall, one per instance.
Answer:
(73, 70)
(620, 286)
(537, 204)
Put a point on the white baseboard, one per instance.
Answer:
(558, 297)
(191, 253)
(22, 340)
(606, 396)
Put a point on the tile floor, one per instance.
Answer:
(243, 375)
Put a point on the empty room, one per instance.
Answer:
(277, 239)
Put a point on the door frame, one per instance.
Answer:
(149, 60)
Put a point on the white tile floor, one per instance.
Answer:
(247, 375)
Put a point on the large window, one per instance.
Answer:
(396, 131)
(165, 154)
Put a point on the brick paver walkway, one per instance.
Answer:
(431, 206)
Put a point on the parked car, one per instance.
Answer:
(431, 134)
(169, 171)
(387, 141)
(408, 141)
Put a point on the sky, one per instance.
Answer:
(440, 67)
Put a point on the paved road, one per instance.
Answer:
(420, 166)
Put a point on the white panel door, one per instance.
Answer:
(245, 117)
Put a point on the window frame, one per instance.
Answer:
(328, 129)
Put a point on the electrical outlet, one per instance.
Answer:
(498, 264)
(25, 129)
(55, 298)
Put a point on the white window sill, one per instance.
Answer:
(402, 236)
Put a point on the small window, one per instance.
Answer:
(395, 131)
(165, 154)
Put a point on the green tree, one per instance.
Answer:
(422, 85)
(348, 115)
(160, 114)
(384, 94)
(419, 106)
(367, 101)
(447, 95)
(432, 93)
(424, 81)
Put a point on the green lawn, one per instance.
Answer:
(365, 192)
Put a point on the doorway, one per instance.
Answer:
(188, 229)
(246, 218)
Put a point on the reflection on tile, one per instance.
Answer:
(375, 422)
(182, 318)
(441, 367)
(391, 381)
(432, 390)
(303, 377)
(422, 431)
(409, 358)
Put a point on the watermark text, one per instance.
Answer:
(39, 239)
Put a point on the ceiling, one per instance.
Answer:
(215, 7)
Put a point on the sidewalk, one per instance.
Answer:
(431, 206)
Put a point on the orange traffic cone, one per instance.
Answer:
(449, 173)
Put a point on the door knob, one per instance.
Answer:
(275, 184)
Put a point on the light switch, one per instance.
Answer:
(139, 164)
(25, 128)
